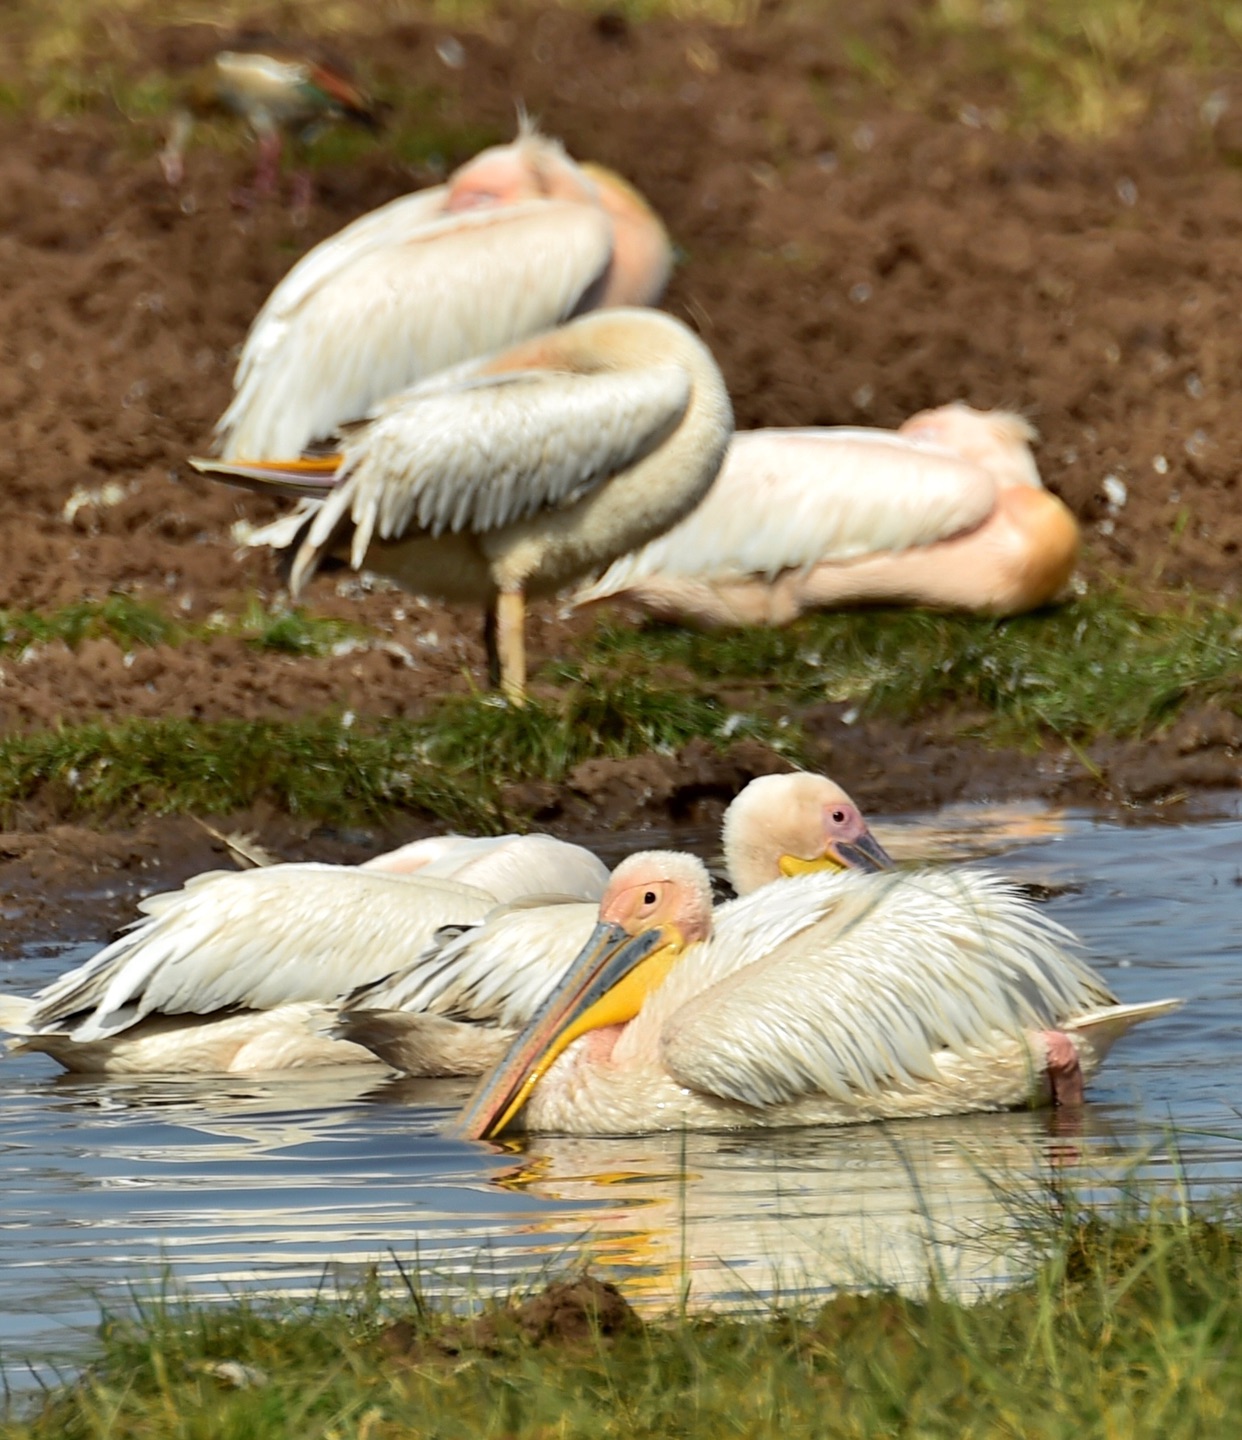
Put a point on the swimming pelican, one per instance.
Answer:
(455, 1008)
(520, 239)
(232, 972)
(947, 512)
(516, 474)
(823, 1000)
(275, 88)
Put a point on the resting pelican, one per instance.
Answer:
(456, 1007)
(520, 239)
(947, 512)
(516, 474)
(232, 973)
(823, 1000)
(275, 88)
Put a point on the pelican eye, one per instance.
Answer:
(649, 898)
(838, 817)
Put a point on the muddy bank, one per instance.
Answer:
(67, 881)
(852, 251)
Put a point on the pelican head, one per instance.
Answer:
(528, 168)
(789, 824)
(997, 440)
(655, 905)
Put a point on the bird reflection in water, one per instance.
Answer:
(749, 1218)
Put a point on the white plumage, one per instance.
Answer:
(516, 474)
(454, 1009)
(517, 241)
(799, 518)
(486, 452)
(265, 940)
(827, 999)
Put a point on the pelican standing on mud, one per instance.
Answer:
(519, 240)
(516, 474)
(822, 1000)
(947, 512)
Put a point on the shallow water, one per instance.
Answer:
(301, 1183)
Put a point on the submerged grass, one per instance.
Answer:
(1131, 1327)
(1103, 666)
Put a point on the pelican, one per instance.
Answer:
(275, 88)
(520, 239)
(516, 474)
(456, 1007)
(947, 512)
(822, 1000)
(233, 972)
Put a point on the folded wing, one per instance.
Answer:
(858, 985)
(791, 499)
(399, 295)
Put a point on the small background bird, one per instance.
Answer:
(280, 90)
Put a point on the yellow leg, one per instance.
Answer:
(511, 642)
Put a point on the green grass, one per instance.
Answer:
(132, 623)
(1132, 1327)
(1103, 666)
(453, 765)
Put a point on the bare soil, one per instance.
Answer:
(849, 260)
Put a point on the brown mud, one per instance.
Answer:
(849, 257)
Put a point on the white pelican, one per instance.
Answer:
(947, 512)
(823, 1000)
(454, 1009)
(516, 474)
(232, 973)
(519, 240)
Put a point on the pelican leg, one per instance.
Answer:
(489, 646)
(511, 644)
(1064, 1072)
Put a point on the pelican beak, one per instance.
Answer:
(605, 985)
(863, 853)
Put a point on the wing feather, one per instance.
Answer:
(506, 866)
(402, 297)
(863, 980)
(256, 939)
(494, 450)
(791, 499)
(495, 973)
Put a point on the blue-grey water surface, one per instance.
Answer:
(294, 1184)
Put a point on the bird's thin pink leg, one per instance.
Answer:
(302, 192)
(267, 175)
(1064, 1072)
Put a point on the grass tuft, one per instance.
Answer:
(1100, 666)
(1132, 1326)
(315, 768)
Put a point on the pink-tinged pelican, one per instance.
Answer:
(234, 972)
(520, 239)
(822, 1000)
(947, 512)
(519, 473)
(454, 1010)
(277, 89)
